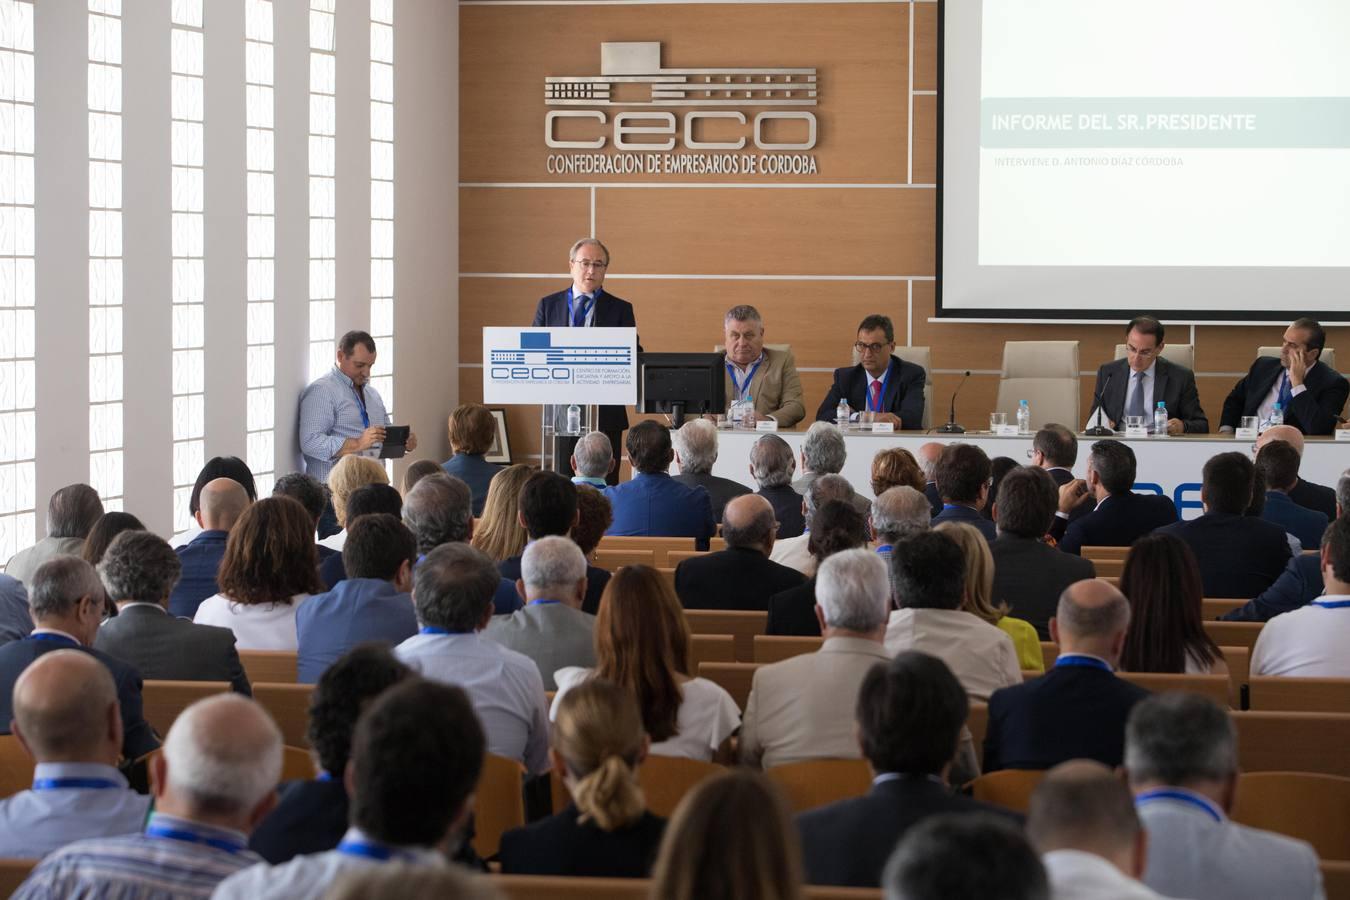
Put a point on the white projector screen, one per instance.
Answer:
(1187, 158)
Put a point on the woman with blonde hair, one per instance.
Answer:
(472, 429)
(731, 838)
(642, 645)
(350, 473)
(979, 597)
(498, 533)
(895, 466)
(606, 831)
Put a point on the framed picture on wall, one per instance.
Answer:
(500, 451)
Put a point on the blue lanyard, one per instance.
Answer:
(435, 629)
(1332, 604)
(1180, 797)
(361, 404)
(586, 307)
(881, 397)
(1074, 659)
(884, 548)
(324, 775)
(947, 506)
(544, 602)
(53, 784)
(742, 388)
(54, 638)
(191, 837)
(369, 850)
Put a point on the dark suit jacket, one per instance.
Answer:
(794, 611)
(610, 312)
(787, 509)
(1298, 585)
(560, 845)
(1175, 386)
(1070, 712)
(332, 569)
(1061, 477)
(165, 648)
(958, 513)
(1307, 525)
(847, 843)
(596, 579)
(1030, 575)
(475, 471)
(1315, 496)
(721, 490)
(903, 395)
(1312, 412)
(1240, 556)
(934, 498)
(310, 817)
(660, 506)
(735, 578)
(138, 738)
(201, 561)
(1118, 521)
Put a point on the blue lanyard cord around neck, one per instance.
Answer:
(881, 397)
(1083, 661)
(56, 784)
(587, 304)
(191, 837)
(739, 387)
(54, 638)
(1331, 604)
(435, 629)
(369, 850)
(1180, 797)
(361, 404)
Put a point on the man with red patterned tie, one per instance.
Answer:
(881, 383)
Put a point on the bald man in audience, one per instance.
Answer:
(223, 501)
(1078, 708)
(66, 717)
(214, 782)
(928, 455)
(1305, 493)
(742, 576)
(1084, 824)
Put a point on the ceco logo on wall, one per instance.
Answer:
(643, 138)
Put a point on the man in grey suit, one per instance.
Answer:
(551, 629)
(695, 453)
(1181, 757)
(824, 453)
(139, 571)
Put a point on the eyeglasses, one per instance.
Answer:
(591, 263)
(1144, 353)
(874, 348)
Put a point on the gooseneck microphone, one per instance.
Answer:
(951, 427)
(1100, 430)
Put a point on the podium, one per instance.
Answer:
(559, 367)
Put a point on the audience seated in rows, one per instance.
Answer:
(977, 597)
(962, 474)
(1121, 516)
(212, 784)
(66, 601)
(824, 452)
(927, 457)
(372, 604)
(551, 628)
(593, 461)
(1162, 582)
(349, 474)
(772, 465)
(1239, 556)
(312, 494)
(642, 645)
(138, 572)
(928, 575)
(653, 503)
(269, 570)
(222, 502)
(548, 506)
(1310, 642)
(231, 467)
(695, 455)
(1077, 710)
(835, 527)
(71, 513)
(1278, 462)
(1028, 573)
(67, 718)
(965, 855)
(473, 429)
(1305, 493)
(370, 499)
(794, 711)
(742, 576)
(894, 467)
(795, 552)
(439, 510)
(498, 532)
(910, 713)
(897, 514)
(415, 761)
(1181, 758)
(598, 743)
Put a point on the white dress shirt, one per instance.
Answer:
(264, 626)
(792, 552)
(335, 541)
(504, 687)
(33, 823)
(1309, 642)
(310, 876)
(1076, 875)
(980, 655)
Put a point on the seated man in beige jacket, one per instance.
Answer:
(766, 375)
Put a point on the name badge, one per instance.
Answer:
(768, 423)
(1007, 431)
(1244, 434)
(889, 428)
(1140, 432)
(1343, 434)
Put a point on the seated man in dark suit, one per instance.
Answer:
(1143, 379)
(881, 382)
(66, 601)
(222, 502)
(910, 713)
(1278, 463)
(653, 503)
(741, 576)
(138, 571)
(1028, 573)
(1054, 448)
(1310, 393)
(695, 454)
(1078, 709)
(548, 507)
(1306, 494)
(962, 474)
(1239, 556)
(771, 465)
(367, 500)
(933, 861)
(1121, 515)
(836, 526)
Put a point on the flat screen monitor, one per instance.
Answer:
(682, 383)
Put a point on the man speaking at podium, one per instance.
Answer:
(586, 304)
(1143, 379)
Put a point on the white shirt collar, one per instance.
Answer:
(746, 368)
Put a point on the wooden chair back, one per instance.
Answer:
(288, 705)
(1109, 568)
(277, 666)
(499, 805)
(13, 872)
(668, 575)
(1215, 687)
(567, 887)
(613, 560)
(735, 678)
(1293, 742)
(817, 782)
(162, 701)
(711, 648)
(1267, 692)
(742, 625)
(664, 779)
(1234, 634)
(1239, 662)
(1213, 607)
(1336, 879)
(772, 648)
(1312, 808)
(16, 766)
(297, 764)
(1009, 788)
(977, 720)
(675, 557)
(1101, 552)
(1049, 653)
(659, 546)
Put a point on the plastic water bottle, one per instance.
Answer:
(748, 411)
(1023, 417)
(1276, 416)
(574, 419)
(1160, 420)
(841, 414)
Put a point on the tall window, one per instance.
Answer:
(322, 185)
(105, 250)
(382, 193)
(258, 114)
(17, 330)
(187, 152)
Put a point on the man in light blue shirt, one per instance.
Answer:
(67, 718)
(593, 460)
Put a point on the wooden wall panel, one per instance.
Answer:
(925, 140)
(925, 47)
(503, 230)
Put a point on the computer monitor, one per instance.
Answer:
(680, 383)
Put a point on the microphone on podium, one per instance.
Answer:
(951, 427)
(1100, 430)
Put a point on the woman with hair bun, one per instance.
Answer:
(606, 831)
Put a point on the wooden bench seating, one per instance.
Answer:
(742, 625)
(1299, 694)
(276, 666)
